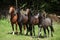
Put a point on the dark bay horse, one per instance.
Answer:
(33, 20)
(13, 18)
(22, 19)
(45, 22)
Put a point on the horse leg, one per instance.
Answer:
(48, 31)
(34, 30)
(12, 28)
(30, 26)
(44, 32)
(20, 27)
(16, 29)
(39, 31)
(52, 30)
(24, 29)
(27, 29)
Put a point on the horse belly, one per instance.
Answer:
(25, 19)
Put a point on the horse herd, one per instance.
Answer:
(29, 19)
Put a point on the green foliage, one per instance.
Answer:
(48, 5)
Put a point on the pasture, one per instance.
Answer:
(5, 29)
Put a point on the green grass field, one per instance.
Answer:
(5, 28)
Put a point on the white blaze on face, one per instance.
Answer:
(10, 10)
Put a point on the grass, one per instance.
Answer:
(5, 28)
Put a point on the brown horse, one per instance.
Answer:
(22, 19)
(33, 20)
(13, 18)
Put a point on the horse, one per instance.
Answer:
(45, 22)
(22, 19)
(33, 20)
(13, 18)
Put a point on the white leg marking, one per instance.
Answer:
(13, 32)
(24, 31)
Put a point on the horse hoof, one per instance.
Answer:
(16, 32)
(48, 35)
(45, 36)
(40, 36)
(51, 35)
(30, 34)
(20, 33)
(13, 33)
(26, 33)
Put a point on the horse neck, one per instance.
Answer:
(19, 15)
(12, 15)
(12, 12)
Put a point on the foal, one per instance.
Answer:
(46, 22)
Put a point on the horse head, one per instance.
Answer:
(11, 10)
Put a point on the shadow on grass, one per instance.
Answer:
(16, 33)
(26, 35)
(39, 37)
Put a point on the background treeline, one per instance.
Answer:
(50, 6)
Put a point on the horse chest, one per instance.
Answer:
(34, 20)
(13, 19)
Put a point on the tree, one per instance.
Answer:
(48, 5)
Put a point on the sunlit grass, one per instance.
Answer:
(5, 28)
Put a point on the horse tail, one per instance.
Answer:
(52, 29)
